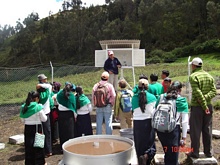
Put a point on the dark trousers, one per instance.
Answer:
(66, 124)
(47, 132)
(170, 142)
(83, 125)
(200, 122)
(33, 155)
(144, 137)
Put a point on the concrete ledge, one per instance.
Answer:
(114, 125)
(216, 134)
(202, 160)
(2, 146)
(16, 139)
(159, 159)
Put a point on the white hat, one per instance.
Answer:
(41, 77)
(196, 61)
(105, 75)
(110, 52)
(143, 82)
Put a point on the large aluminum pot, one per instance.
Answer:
(115, 158)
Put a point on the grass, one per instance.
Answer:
(16, 91)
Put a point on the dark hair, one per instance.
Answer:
(122, 84)
(167, 79)
(142, 98)
(154, 77)
(67, 89)
(79, 91)
(166, 72)
(56, 86)
(142, 76)
(173, 91)
(30, 98)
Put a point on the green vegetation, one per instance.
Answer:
(168, 30)
(16, 91)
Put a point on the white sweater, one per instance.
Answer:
(36, 118)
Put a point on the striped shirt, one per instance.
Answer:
(203, 88)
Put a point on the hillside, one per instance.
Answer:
(166, 30)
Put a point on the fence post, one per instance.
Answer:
(51, 71)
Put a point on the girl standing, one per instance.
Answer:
(32, 114)
(84, 107)
(67, 113)
(143, 105)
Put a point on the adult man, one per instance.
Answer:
(154, 87)
(111, 66)
(103, 112)
(124, 117)
(45, 90)
(164, 74)
(203, 90)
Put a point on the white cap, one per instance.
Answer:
(105, 75)
(143, 82)
(110, 52)
(196, 61)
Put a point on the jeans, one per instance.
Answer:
(106, 114)
(170, 142)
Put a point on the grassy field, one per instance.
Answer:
(16, 91)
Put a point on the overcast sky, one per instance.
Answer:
(12, 10)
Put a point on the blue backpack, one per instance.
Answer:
(125, 101)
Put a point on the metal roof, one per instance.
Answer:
(110, 44)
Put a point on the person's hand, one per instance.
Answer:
(119, 66)
(110, 72)
(207, 111)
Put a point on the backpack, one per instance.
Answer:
(164, 117)
(125, 101)
(101, 96)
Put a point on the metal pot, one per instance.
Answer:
(115, 158)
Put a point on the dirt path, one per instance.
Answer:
(10, 124)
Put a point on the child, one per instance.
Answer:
(32, 114)
(84, 107)
(124, 117)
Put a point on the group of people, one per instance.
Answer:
(65, 113)
(57, 113)
(147, 95)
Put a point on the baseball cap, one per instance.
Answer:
(41, 77)
(110, 52)
(196, 61)
(143, 82)
(105, 75)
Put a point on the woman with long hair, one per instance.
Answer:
(84, 107)
(32, 114)
(67, 112)
(172, 141)
(143, 105)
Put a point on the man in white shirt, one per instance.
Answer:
(44, 87)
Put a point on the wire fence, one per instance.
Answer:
(17, 82)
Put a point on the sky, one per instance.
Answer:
(12, 10)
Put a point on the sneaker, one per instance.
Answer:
(192, 155)
(142, 160)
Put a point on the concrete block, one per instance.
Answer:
(16, 139)
(216, 134)
(2, 146)
(159, 159)
(202, 160)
